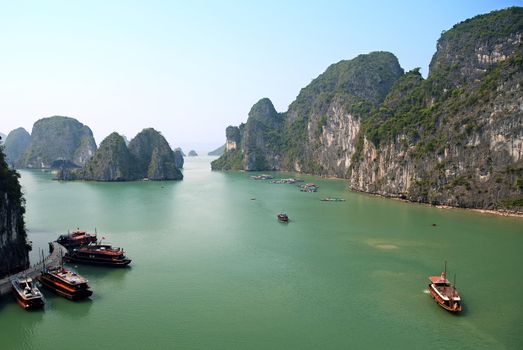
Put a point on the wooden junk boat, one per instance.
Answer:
(444, 292)
(65, 283)
(27, 295)
(98, 254)
(282, 217)
(76, 239)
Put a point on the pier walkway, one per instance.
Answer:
(33, 271)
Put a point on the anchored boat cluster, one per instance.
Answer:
(82, 248)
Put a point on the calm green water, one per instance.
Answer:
(213, 269)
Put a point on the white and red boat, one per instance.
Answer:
(444, 292)
(27, 295)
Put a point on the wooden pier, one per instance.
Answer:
(53, 259)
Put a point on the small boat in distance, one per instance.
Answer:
(27, 295)
(76, 239)
(65, 283)
(444, 292)
(332, 199)
(98, 254)
(282, 217)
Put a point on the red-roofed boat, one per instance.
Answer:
(98, 254)
(65, 283)
(444, 292)
(76, 239)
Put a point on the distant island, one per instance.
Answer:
(148, 156)
(452, 139)
(218, 151)
(192, 153)
(65, 144)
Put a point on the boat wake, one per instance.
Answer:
(426, 291)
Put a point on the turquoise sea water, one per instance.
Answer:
(213, 268)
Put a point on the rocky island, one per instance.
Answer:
(148, 156)
(192, 153)
(454, 138)
(15, 145)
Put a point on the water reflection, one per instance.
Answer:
(73, 310)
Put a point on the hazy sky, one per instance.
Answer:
(191, 68)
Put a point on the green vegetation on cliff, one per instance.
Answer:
(14, 251)
(58, 138)
(454, 138)
(15, 145)
(147, 156)
(112, 161)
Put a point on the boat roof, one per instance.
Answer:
(438, 279)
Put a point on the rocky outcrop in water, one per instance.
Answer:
(112, 161)
(58, 138)
(455, 138)
(192, 153)
(178, 158)
(14, 250)
(155, 158)
(147, 156)
(15, 145)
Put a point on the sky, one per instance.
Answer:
(191, 68)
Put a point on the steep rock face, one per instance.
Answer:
(472, 46)
(14, 251)
(112, 161)
(315, 135)
(455, 138)
(260, 137)
(148, 156)
(61, 138)
(178, 158)
(154, 157)
(15, 145)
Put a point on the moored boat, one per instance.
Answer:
(65, 283)
(76, 239)
(282, 217)
(98, 254)
(27, 295)
(444, 292)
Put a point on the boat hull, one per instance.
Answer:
(97, 262)
(28, 304)
(63, 292)
(445, 304)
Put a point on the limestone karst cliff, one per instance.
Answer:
(58, 138)
(148, 155)
(455, 138)
(14, 251)
(15, 145)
